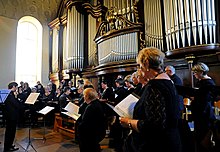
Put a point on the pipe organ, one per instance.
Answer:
(118, 37)
(118, 48)
(189, 23)
(92, 54)
(153, 24)
(124, 7)
(75, 39)
(55, 50)
(103, 37)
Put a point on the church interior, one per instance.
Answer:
(97, 40)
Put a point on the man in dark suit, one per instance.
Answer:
(11, 113)
(185, 133)
(92, 126)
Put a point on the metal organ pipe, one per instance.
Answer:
(122, 47)
(75, 39)
(193, 23)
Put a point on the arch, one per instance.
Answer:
(29, 50)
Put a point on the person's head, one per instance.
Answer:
(70, 83)
(88, 84)
(119, 82)
(80, 89)
(67, 90)
(134, 78)
(150, 60)
(26, 85)
(22, 83)
(128, 81)
(200, 70)
(13, 86)
(58, 90)
(119, 76)
(104, 84)
(80, 82)
(47, 89)
(50, 85)
(170, 70)
(34, 90)
(89, 95)
(39, 86)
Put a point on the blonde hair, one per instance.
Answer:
(201, 67)
(87, 82)
(91, 93)
(153, 56)
(128, 78)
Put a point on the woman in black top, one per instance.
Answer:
(155, 118)
(202, 112)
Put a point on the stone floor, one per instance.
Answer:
(55, 142)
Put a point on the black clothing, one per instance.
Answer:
(177, 81)
(121, 93)
(47, 97)
(138, 89)
(117, 132)
(92, 127)
(157, 112)
(108, 94)
(64, 100)
(130, 91)
(202, 112)
(11, 114)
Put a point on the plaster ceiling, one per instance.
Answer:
(43, 10)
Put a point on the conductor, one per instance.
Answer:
(11, 113)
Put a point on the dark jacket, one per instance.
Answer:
(64, 100)
(11, 110)
(92, 126)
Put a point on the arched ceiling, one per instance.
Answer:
(43, 10)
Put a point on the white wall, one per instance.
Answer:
(8, 36)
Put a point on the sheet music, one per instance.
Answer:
(46, 110)
(72, 110)
(32, 98)
(4, 94)
(126, 107)
(72, 115)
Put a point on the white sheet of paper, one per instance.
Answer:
(72, 110)
(32, 98)
(125, 108)
(46, 110)
(72, 115)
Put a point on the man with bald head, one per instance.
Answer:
(91, 128)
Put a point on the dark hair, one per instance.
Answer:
(105, 82)
(80, 81)
(66, 89)
(12, 84)
(120, 81)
